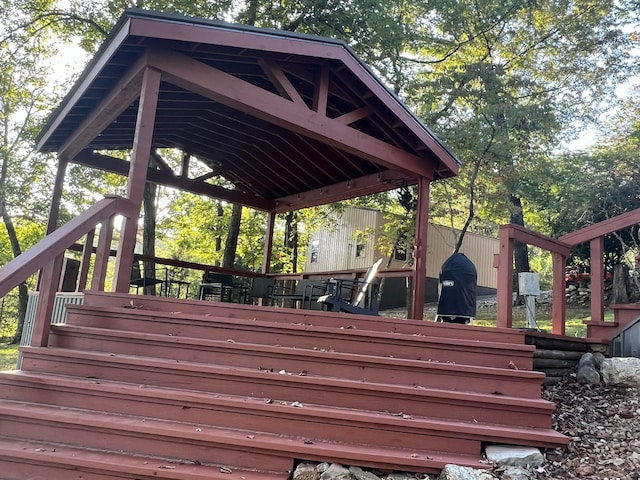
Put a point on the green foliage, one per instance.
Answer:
(589, 187)
(8, 357)
(499, 83)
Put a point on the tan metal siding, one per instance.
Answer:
(337, 247)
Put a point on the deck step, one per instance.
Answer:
(307, 317)
(425, 401)
(395, 345)
(203, 444)
(309, 421)
(22, 459)
(398, 371)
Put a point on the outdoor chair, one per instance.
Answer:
(220, 287)
(262, 290)
(305, 293)
(140, 280)
(354, 296)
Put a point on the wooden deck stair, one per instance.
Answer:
(139, 388)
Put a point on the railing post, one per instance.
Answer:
(504, 307)
(559, 305)
(87, 251)
(597, 279)
(49, 280)
(102, 255)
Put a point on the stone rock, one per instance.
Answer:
(588, 373)
(621, 370)
(336, 472)
(587, 370)
(516, 473)
(586, 359)
(360, 474)
(306, 471)
(323, 467)
(514, 456)
(598, 359)
(456, 472)
(400, 476)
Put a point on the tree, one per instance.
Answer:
(501, 85)
(24, 180)
(601, 183)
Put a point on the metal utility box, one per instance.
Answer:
(529, 283)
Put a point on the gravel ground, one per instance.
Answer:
(604, 426)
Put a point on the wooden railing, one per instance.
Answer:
(47, 256)
(509, 234)
(559, 248)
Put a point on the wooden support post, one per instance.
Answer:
(559, 306)
(420, 252)
(597, 279)
(505, 279)
(137, 176)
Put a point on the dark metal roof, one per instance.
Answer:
(276, 156)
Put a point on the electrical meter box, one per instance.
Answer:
(529, 283)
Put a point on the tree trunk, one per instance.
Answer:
(620, 291)
(291, 239)
(521, 253)
(23, 291)
(149, 233)
(220, 212)
(231, 243)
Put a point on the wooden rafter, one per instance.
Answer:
(212, 83)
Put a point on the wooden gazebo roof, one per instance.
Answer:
(289, 120)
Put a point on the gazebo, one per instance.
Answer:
(140, 386)
(290, 120)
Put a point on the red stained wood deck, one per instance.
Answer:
(194, 387)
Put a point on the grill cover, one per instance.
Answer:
(458, 280)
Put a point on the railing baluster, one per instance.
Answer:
(49, 280)
(87, 251)
(102, 254)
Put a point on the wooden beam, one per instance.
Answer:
(530, 237)
(420, 251)
(354, 116)
(504, 301)
(321, 50)
(117, 100)
(196, 186)
(94, 69)
(321, 92)
(142, 142)
(601, 229)
(597, 279)
(357, 187)
(558, 290)
(219, 86)
(280, 80)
